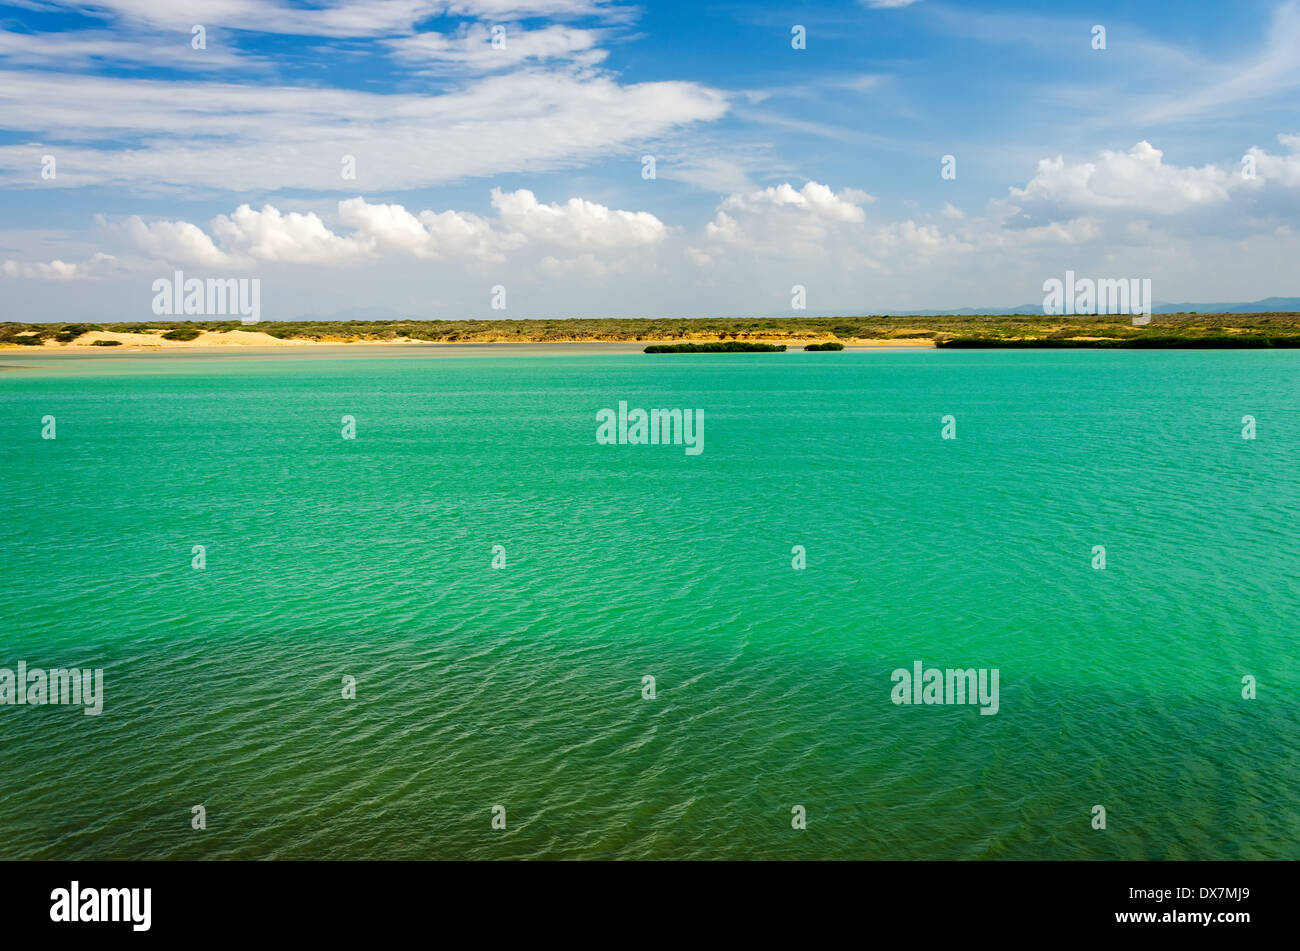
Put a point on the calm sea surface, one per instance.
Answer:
(522, 686)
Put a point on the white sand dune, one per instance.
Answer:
(208, 339)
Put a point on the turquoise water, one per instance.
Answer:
(522, 686)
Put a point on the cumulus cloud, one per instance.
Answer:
(576, 223)
(782, 218)
(814, 200)
(429, 234)
(273, 236)
(176, 241)
(1284, 169)
(1136, 180)
(915, 238)
(816, 225)
(760, 241)
(57, 270)
(269, 235)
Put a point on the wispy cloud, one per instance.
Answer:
(242, 137)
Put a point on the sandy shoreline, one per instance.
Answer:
(252, 340)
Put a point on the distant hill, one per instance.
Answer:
(1269, 305)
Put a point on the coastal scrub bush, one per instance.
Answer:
(728, 346)
(70, 332)
(1153, 342)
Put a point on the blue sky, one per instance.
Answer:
(1171, 154)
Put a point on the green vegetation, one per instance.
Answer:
(828, 345)
(998, 330)
(726, 346)
(106, 343)
(1154, 342)
(70, 332)
(182, 333)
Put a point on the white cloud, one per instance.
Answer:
(1137, 180)
(699, 257)
(914, 238)
(428, 235)
(269, 235)
(261, 137)
(576, 223)
(814, 200)
(176, 241)
(274, 236)
(84, 48)
(471, 48)
(57, 270)
(587, 265)
(782, 219)
(1119, 213)
(997, 235)
(1284, 169)
(712, 173)
(331, 18)
(1271, 71)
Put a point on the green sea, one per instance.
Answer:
(522, 685)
